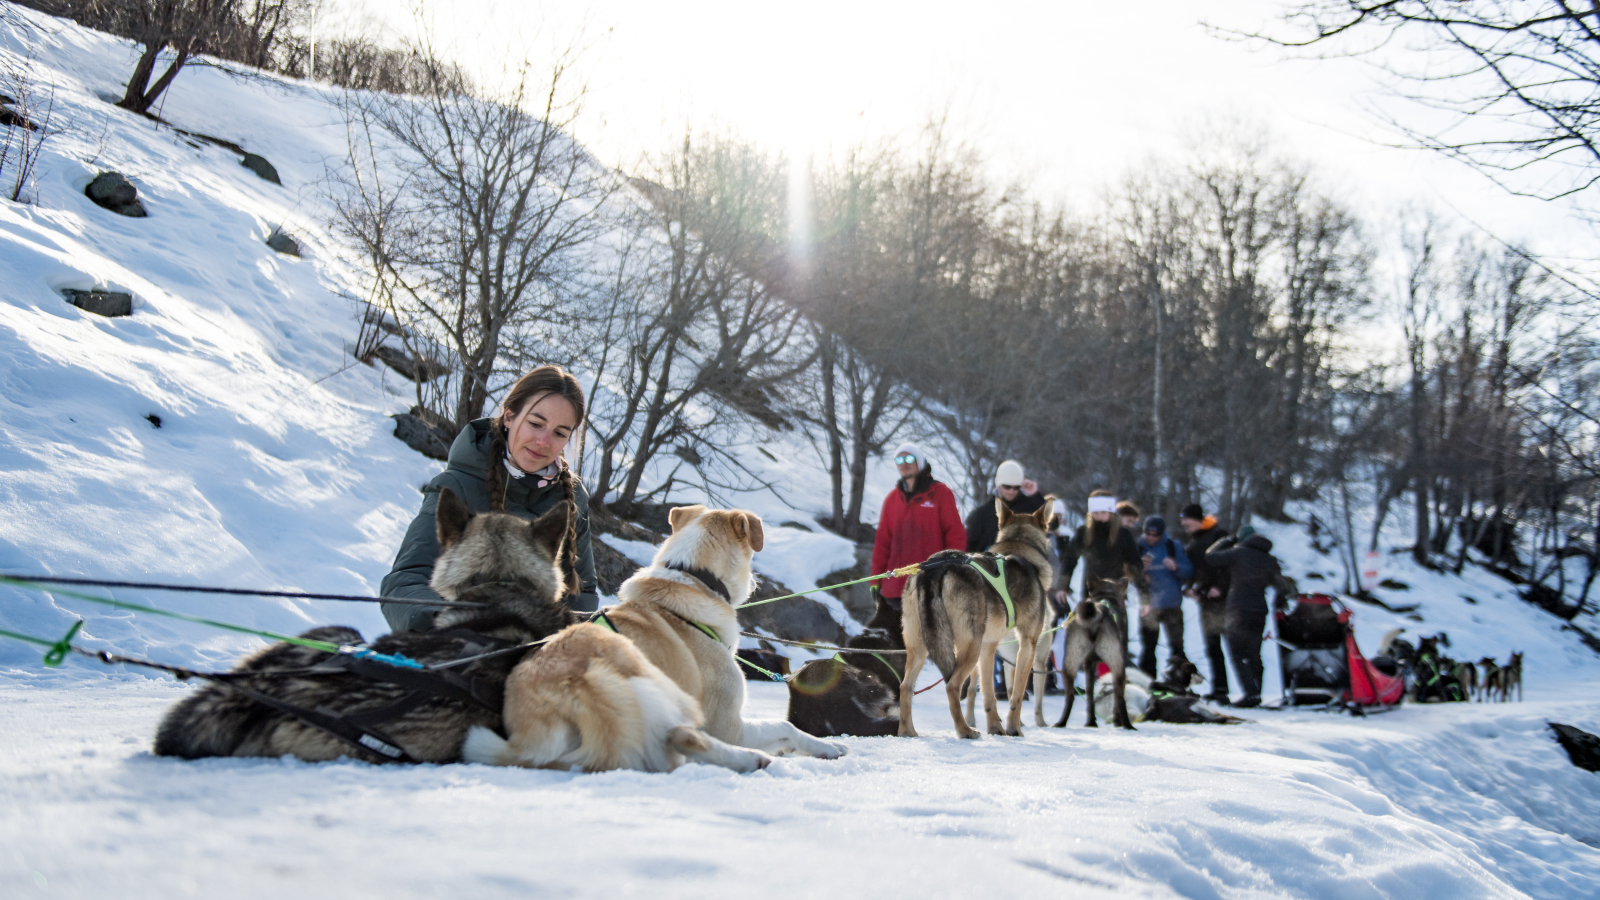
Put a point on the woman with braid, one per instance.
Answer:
(508, 463)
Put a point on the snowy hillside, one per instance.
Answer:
(274, 466)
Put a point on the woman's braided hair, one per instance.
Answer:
(531, 388)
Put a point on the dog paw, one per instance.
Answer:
(970, 734)
(907, 730)
(762, 761)
(832, 750)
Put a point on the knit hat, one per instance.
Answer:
(1010, 472)
(1156, 524)
(1193, 511)
(1246, 531)
(913, 450)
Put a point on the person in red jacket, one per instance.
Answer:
(919, 519)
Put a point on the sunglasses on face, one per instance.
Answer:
(1010, 487)
(904, 459)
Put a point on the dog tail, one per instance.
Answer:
(485, 748)
(937, 635)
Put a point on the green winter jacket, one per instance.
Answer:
(466, 472)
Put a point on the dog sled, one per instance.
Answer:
(1321, 664)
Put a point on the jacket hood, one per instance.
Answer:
(1257, 541)
(469, 453)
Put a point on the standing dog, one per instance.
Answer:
(1094, 635)
(659, 685)
(1511, 677)
(492, 558)
(1491, 678)
(954, 616)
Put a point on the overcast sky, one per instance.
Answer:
(1067, 95)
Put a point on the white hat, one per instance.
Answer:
(1010, 472)
(909, 448)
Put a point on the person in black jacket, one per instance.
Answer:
(1209, 588)
(1021, 495)
(1251, 570)
(1109, 553)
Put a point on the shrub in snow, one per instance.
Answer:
(103, 303)
(113, 191)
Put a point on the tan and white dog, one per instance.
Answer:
(652, 683)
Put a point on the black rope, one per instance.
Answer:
(195, 589)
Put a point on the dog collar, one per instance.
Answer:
(712, 582)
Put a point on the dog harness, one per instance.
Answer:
(711, 583)
(998, 582)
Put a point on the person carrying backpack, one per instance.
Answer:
(1166, 566)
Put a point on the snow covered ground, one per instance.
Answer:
(1459, 801)
(274, 466)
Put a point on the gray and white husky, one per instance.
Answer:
(497, 559)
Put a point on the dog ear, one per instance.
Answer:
(1002, 511)
(550, 529)
(680, 516)
(1044, 514)
(747, 525)
(451, 516)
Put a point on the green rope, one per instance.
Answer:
(324, 646)
(58, 649)
(816, 590)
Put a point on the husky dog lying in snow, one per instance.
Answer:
(954, 616)
(493, 558)
(1172, 699)
(652, 682)
(856, 693)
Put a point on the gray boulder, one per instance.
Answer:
(113, 191)
(102, 303)
(423, 431)
(283, 243)
(260, 166)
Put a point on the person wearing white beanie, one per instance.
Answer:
(1018, 492)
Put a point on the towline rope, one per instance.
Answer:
(35, 580)
(903, 571)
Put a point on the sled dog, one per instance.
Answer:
(492, 558)
(954, 616)
(652, 682)
(1094, 634)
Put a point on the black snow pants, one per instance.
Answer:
(1213, 619)
(1243, 631)
(1150, 634)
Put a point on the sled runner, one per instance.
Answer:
(1321, 663)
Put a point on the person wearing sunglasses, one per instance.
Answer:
(1021, 495)
(918, 519)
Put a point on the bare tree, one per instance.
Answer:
(468, 211)
(713, 325)
(1516, 82)
(25, 115)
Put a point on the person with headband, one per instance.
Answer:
(1021, 495)
(919, 518)
(1110, 557)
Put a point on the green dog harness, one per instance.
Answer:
(998, 582)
